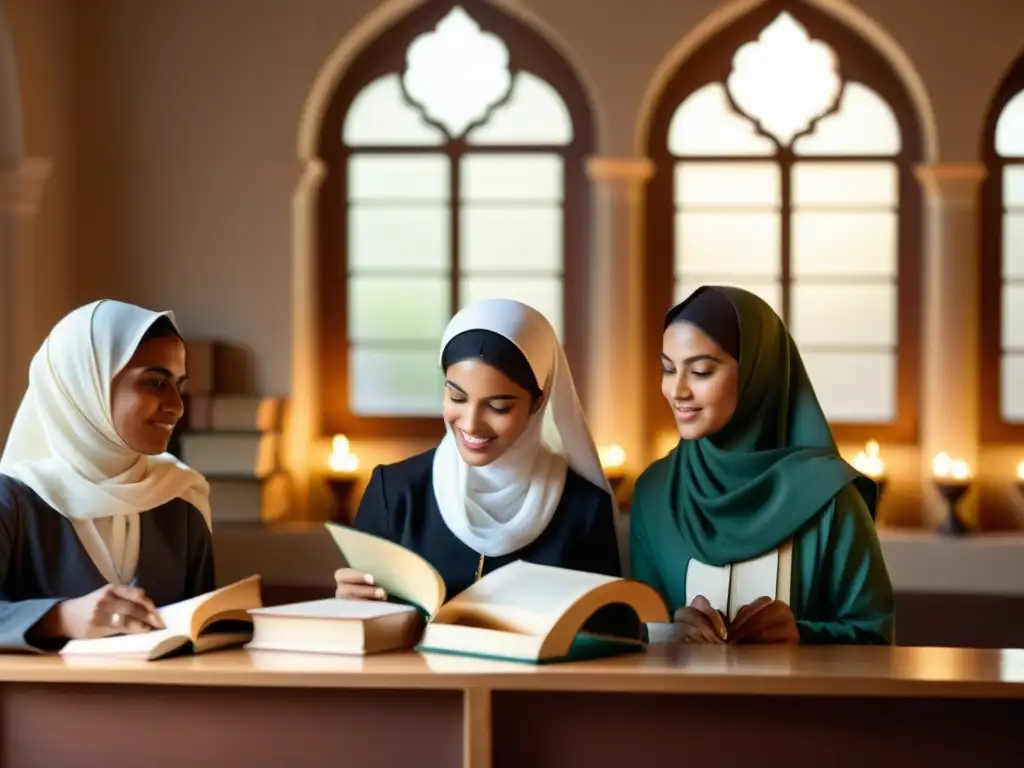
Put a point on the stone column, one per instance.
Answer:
(615, 330)
(21, 189)
(949, 404)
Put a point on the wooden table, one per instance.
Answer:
(673, 705)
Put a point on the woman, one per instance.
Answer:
(754, 529)
(494, 491)
(98, 524)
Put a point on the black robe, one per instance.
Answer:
(43, 561)
(399, 504)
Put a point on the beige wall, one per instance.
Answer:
(43, 49)
(174, 125)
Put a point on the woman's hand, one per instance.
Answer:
(111, 610)
(351, 584)
(765, 621)
(698, 622)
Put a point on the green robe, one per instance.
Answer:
(773, 474)
(840, 590)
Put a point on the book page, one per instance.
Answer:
(177, 617)
(398, 571)
(333, 608)
(141, 644)
(181, 617)
(521, 597)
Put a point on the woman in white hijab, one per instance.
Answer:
(99, 523)
(517, 475)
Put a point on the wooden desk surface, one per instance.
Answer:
(802, 671)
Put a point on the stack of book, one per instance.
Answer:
(233, 437)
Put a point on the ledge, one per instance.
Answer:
(919, 562)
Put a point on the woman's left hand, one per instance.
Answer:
(764, 621)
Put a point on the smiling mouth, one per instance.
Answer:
(687, 412)
(165, 427)
(475, 442)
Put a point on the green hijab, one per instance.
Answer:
(775, 466)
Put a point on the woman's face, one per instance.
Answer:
(486, 410)
(145, 397)
(699, 380)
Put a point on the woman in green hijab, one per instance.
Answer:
(754, 529)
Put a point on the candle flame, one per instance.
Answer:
(1020, 471)
(341, 459)
(869, 461)
(946, 467)
(612, 456)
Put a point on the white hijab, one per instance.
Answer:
(504, 506)
(64, 446)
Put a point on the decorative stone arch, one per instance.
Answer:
(303, 449)
(851, 16)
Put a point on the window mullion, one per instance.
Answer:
(456, 153)
(786, 230)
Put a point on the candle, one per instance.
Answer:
(341, 460)
(869, 461)
(946, 468)
(613, 457)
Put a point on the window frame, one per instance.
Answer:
(528, 51)
(859, 61)
(994, 429)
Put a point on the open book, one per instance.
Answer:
(521, 611)
(217, 619)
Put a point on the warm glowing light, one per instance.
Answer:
(946, 468)
(1020, 471)
(869, 461)
(341, 459)
(613, 457)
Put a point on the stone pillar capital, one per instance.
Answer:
(952, 183)
(620, 170)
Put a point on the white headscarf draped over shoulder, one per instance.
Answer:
(506, 505)
(64, 446)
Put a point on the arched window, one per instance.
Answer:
(454, 148)
(1002, 268)
(785, 150)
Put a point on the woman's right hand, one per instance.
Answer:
(698, 622)
(351, 584)
(111, 610)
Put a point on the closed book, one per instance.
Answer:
(250, 499)
(217, 368)
(349, 627)
(235, 413)
(231, 454)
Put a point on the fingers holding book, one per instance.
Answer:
(351, 584)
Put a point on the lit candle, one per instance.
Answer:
(613, 458)
(869, 461)
(341, 460)
(949, 469)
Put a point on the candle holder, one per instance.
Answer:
(881, 483)
(615, 480)
(341, 488)
(952, 490)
